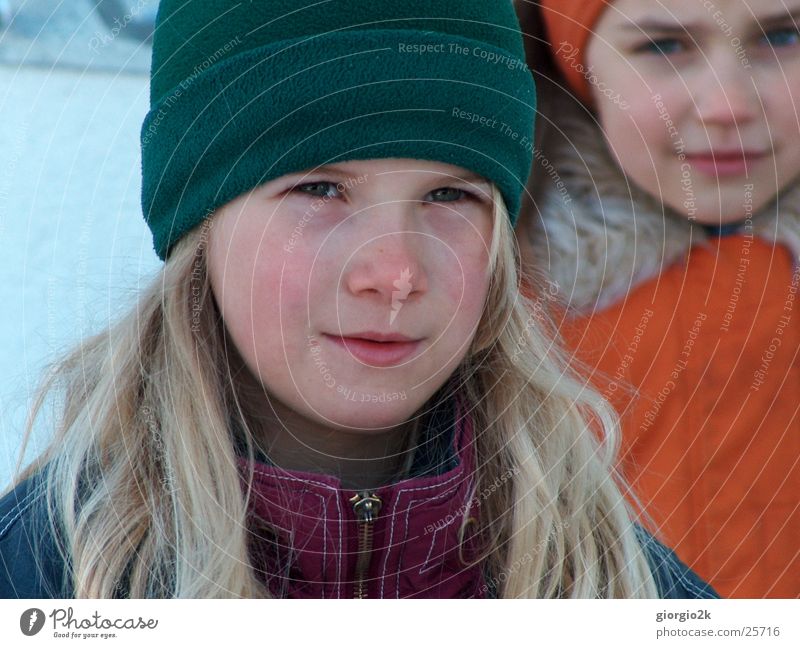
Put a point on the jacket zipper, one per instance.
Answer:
(366, 506)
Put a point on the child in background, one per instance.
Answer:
(332, 388)
(666, 209)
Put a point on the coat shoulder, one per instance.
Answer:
(673, 578)
(31, 565)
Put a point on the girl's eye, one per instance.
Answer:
(329, 190)
(448, 194)
(319, 189)
(661, 46)
(783, 37)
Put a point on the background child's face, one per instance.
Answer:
(703, 81)
(381, 246)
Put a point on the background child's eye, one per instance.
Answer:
(318, 189)
(448, 194)
(782, 37)
(662, 46)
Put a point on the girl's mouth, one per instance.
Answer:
(385, 352)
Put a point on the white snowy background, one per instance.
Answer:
(73, 244)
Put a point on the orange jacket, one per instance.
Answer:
(711, 442)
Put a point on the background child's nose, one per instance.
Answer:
(724, 93)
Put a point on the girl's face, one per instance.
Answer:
(713, 90)
(353, 291)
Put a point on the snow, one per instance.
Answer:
(73, 243)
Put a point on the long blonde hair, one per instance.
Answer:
(142, 477)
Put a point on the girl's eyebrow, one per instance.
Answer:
(471, 177)
(325, 168)
(467, 176)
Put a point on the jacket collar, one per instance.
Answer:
(306, 536)
(602, 235)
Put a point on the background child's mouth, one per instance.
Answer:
(725, 164)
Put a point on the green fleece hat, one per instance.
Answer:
(244, 92)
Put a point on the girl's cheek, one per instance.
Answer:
(462, 266)
(285, 280)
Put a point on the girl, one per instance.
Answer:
(332, 389)
(668, 218)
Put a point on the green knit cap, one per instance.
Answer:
(244, 92)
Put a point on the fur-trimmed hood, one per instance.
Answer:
(596, 234)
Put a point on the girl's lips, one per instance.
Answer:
(376, 354)
(724, 164)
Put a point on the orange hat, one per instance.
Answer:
(569, 25)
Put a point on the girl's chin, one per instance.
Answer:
(377, 412)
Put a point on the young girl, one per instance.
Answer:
(668, 215)
(332, 389)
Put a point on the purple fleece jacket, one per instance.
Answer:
(325, 549)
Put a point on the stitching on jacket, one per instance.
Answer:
(464, 454)
(682, 578)
(427, 565)
(332, 490)
(393, 517)
(340, 553)
(466, 507)
(443, 497)
(324, 536)
(16, 512)
(263, 472)
(660, 564)
(668, 562)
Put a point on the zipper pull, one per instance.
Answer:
(366, 506)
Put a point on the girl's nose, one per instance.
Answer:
(724, 94)
(388, 264)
